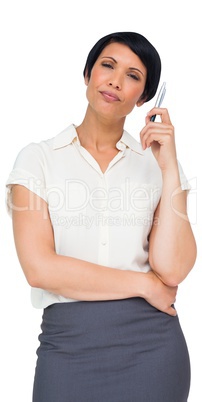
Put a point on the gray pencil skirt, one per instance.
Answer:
(111, 351)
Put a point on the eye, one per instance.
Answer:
(134, 76)
(108, 65)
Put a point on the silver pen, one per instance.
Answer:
(159, 99)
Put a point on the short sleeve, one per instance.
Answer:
(28, 171)
(185, 185)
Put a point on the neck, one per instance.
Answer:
(98, 132)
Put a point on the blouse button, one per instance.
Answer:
(104, 243)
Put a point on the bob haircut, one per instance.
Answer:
(141, 47)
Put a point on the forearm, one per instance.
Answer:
(81, 280)
(172, 246)
(85, 281)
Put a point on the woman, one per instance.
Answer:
(102, 235)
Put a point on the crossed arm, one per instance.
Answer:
(71, 277)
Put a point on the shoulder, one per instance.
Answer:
(45, 147)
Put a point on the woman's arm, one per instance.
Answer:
(71, 277)
(172, 249)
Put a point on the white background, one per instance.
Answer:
(44, 45)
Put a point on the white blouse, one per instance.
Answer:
(104, 218)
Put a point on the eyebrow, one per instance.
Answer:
(130, 68)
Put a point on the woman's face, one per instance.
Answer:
(117, 82)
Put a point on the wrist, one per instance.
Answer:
(171, 178)
(149, 282)
(143, 284)
(171, 169)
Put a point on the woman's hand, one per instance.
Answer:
(160, 137)
(160, 295)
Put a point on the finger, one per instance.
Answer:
(162, 139)
(162, 112)
(172, 311)
(156, 132)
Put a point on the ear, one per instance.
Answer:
(86, 79)
(140, 102)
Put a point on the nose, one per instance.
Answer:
(117, 86)
(115, 81)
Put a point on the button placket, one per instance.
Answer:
(103, 254)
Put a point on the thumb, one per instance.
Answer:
(172, 311)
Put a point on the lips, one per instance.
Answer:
(110, 96)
